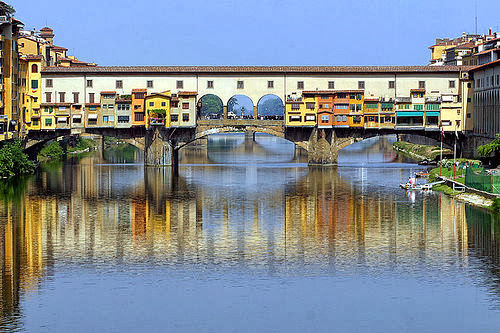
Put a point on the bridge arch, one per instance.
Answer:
(270, 107)
(210, 106)
(240, 106)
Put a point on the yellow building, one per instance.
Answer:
(158, 109)
(31, 95)
(47, 116)
(356, 101)
(301, 111)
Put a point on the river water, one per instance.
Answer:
(247, 238)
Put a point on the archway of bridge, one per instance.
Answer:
(210, 106)
(240, 107)
(270, 107)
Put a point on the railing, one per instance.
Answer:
(157, 121)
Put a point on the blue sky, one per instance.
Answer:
(255, 32)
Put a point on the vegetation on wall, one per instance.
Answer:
(13, 161)
(490, 150)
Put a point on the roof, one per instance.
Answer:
(371, 99)
(253, 69)
(108, 92)
(489, 64)
(158, 94)
(32, 57)
(487, 51)
(55, 104)
(331, 92)
(139, 90)
(92, 104)
(417, 90)
(59, 48)
(187, 93)
(123, 100)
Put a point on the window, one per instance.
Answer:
(310, 117)
(331, 84)
(180, 85)
(61, 97)
(325, 118)
(240, 85)
(458, 112)
(175, 104)
(210, 84)
(185, 106)
(139, 116)
(35, 121)
(300, 85)
(119, 84)
(418, 107)
(149, 84)
(270, 84)
(48, 97)
(89, 84)
(163, 103)
(104, 106)
(91, 98)
(325, 96)
(151, 103)
(294, 118)
(185, 117)
(344, 118)
(310, 106)
(451, 84)
(468, 85)
(359, 97)
(341, 107)
(361, 84)
(77, 120)
(105, 119)
(498, 80)
(326, 106)
(174, 117)
(123, 119)
(353, 107)
(48, 121)
(421, 84)
(34, 84)
(392, 84)
(76, 98)
(48, 83)
(358, 107)
(34, 68)
(469, 100)
(295, 106)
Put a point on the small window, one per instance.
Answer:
(76, 97)
(119, 84)
(392, 84)
(451, 84)
(310, 106)
(89, 83)
(185, 106)
(270, 84)
(469, 85)
(163, 103)
(151, 103)
(421, 84)
(300, 85)
(240, 85)
(62, 96)
(469, 100)
(149, 84)
(91, 97)
(180, 84)
(174, 117)
(185, 117)
(210, 84)
(361, 84)
(34, 84)
(331, 84)
(49, 83)
(295, 106)
(48, 97)
(34, 68)
(48, 121)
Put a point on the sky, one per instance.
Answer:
(255, 32)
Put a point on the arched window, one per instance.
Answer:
(34, 68)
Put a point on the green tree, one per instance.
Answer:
(211, 104)
(13, 161)
(51, 151)
(490, 150)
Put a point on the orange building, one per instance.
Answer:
(341, 109)
(138, 108)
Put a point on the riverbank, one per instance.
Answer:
(420, 153)
(54, 151)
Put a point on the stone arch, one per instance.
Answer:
(210, 106)
(240, 106)
(270, 107)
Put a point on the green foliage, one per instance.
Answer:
(51, 151)
(211, 104)
(490, 149)
(448, 173)
(271, 106)
(82, 144)
(125, 96)
(158, 111)
(496, 205)
(13, 189)
(13, 161)
(430, 153)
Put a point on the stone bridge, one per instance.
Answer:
(161, 145)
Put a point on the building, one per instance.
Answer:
(31, 91)
(123, 112)
(301, 111)
(183, 109)
(486, 99)
(9, 70)
(158, 109)
(106, 118)
(138, 108)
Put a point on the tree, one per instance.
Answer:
(13, 161)
(211, 104)
(490, 149)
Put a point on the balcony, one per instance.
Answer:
(157, 121)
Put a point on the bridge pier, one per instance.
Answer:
(322, 152)
(159, 150)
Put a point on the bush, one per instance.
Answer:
(496, 205)
(13, 161)
(51, 151)
(82, 144)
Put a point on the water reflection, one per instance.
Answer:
(271, 220)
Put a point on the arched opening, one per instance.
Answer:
(34, 68)
(240, 107)
(210, 107)
(270, 107)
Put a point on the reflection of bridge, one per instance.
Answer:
(161, 145)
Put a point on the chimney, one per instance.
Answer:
(489, 31)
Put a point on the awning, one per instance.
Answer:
(410, 114)
(77, 116)
(92, 116)
(432, 114)
(62, 119)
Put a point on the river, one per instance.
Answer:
(246, 238)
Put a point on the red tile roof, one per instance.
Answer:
(253, 69)
(187, 93)
(493, 63)
(108, 92)
(139, 90)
